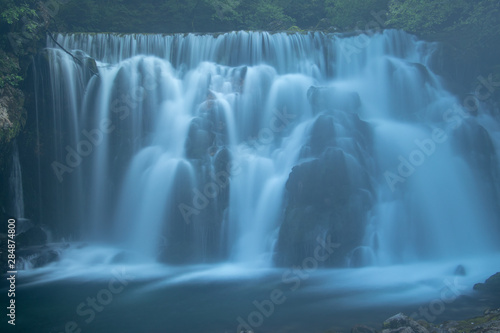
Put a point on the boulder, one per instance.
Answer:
(491, 286)
(401, 323)
(32, 237)
(460, 271)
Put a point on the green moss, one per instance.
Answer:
(466, 326)
(9, 70)
(294, 29)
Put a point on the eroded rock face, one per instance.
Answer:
(12, 113)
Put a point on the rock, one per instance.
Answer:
(401, 323)
(492, 312)
(91, 65)
(396, 321)
(12, 113)
(40, 255)
(322, 134)
(491, 286)
(200, 138)
(32, 237)
(45, 258)
(488, 323)
(329, 193)
(460, 270)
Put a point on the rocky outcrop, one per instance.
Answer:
(329, 192)
(491, 286)
(403, 324)
(489, 322)
(12, 113)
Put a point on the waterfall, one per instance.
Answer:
(16, 185)
(247, 147)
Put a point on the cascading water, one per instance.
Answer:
(16, 185)
(226, 168)
(182, 148)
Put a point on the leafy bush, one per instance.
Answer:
(348, 14)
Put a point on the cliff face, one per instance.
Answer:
(13, 117)
(12, 113)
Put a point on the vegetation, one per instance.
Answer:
(469, 29)
(353, 14)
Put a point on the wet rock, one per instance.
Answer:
(323, 201)
(329, 193)
(32, 237)
(488, 323)
(401, 323)
(491, 286)
(460, 271)
(91, 65)
(324, 180)
(200, 138)
(40, 256)
(322, 134)
(492, 312)
(45, 258)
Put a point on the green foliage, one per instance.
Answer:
(167, 16)
(12, 14)
(426, 16)
(294, 29)
(10, 79)
(471, 26)
(307, 14)
(9, 70)
(267, 15)
(348, 14)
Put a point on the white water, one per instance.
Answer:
(152, 89)
(16, 185)
(217, 124)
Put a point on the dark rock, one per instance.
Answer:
(45, 258)
(329, 193)
(324, 181)
(12, 113)
(488, 323)
(32, 237)
(200, 138)
(401, 323)
(91, 65)
(397, 321)
(491, 286)
(492, 312)
(460, 270)
(322, 134)
(323, 199)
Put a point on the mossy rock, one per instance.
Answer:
(492, 284)
(12, 113)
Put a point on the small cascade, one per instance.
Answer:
(16, 185)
